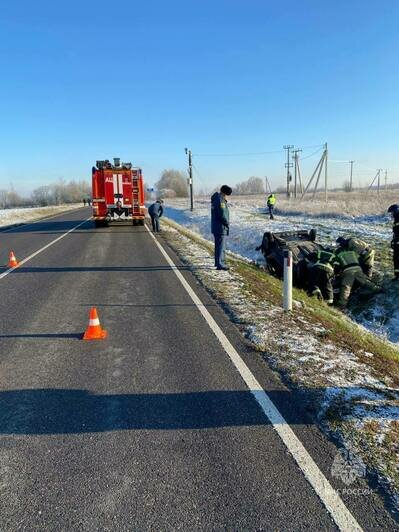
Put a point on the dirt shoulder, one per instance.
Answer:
(349, 376)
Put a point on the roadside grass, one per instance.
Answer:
(338, 328)
(373, 445)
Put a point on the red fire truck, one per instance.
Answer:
(118, 193)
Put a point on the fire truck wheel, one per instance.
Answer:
(141, 222)
(134, 222)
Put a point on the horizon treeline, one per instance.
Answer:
(53, 194)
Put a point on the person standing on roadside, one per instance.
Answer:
(220, 224)
(394, 211)
(271, 202)
(156, 211)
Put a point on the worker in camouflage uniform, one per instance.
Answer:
(364, 252)
(220, 224)
(348, 266)
(321, 275)
(394, 210)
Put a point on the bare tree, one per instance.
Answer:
(166, 193)
(253, 185)
(42, 196)
(173, 180)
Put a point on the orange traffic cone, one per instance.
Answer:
(12, 261)
(94, 330)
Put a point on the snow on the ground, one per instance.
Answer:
(26, 214)
(335, 379)
(249, 221)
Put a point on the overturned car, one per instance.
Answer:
(302, 244)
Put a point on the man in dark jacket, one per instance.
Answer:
(394, 210)
(220, 224)
(155, 211)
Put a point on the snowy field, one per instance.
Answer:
(28, 214)
(249, 221)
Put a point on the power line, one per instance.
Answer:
(314, 146)
(314, 153)
(246, 154)
(235, 154)
(199, 176)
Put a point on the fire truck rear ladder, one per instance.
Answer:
(136, 195)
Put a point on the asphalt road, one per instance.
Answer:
(153, 428)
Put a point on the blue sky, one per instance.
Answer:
(87, 80)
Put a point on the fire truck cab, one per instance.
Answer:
(118, 193)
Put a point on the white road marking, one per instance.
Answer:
(23, 261)
(328, 496)
(37, 221)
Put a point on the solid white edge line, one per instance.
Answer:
(42, 249)
(326, 493)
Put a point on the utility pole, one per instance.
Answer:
(377, 176)
(288, 165)
(295, 157)
(379, 180)
(351, 177)
(190, 177)
(325, 172)
(386, 180)
(268, 185)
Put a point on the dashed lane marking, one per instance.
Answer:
(26, 259)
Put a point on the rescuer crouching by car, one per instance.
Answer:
(321, 275)
(364, 252)
(349, 265)
(348, 268)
